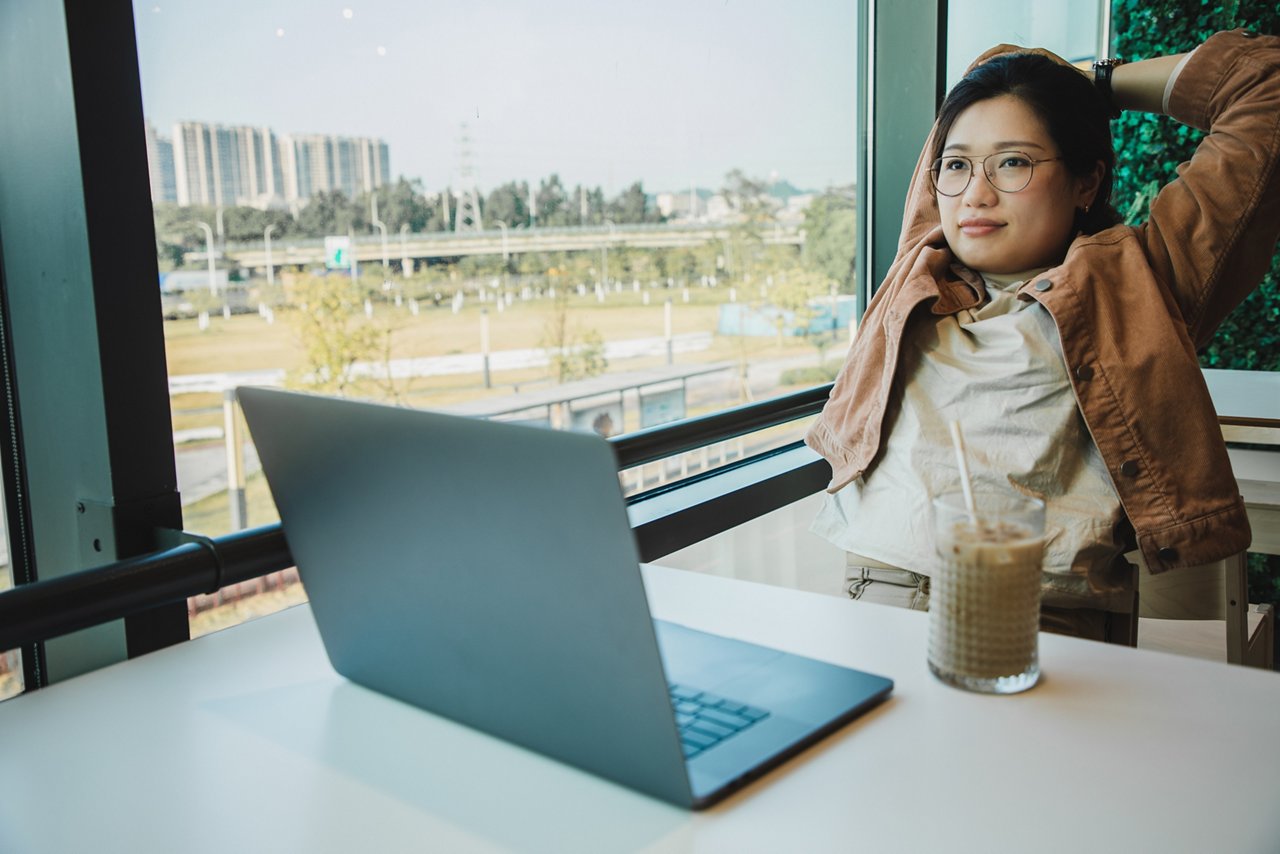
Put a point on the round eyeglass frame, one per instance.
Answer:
(935, 168)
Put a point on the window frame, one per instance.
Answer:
(112, 374)
(88, 420)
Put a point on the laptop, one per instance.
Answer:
(487, 572)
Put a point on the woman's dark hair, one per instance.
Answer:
(1075, 114)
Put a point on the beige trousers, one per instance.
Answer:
(868, 580)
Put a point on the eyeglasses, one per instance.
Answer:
(1012, 171)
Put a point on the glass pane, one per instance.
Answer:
(592, 216)
(1069, 28)
(11, 660)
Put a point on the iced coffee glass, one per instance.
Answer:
(984, 609)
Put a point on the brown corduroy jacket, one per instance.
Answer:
(1132, 305)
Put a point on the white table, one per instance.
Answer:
(247, 741)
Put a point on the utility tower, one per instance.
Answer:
(468, 212)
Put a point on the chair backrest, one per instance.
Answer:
(1213, 591)
(1189, 593)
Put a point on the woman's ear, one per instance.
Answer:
(1087, 186)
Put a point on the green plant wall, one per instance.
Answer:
(1149, 148)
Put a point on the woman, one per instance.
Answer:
(1063, 342)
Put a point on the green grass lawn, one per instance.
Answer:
(247, 342)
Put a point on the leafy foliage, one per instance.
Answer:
(830, 242)
(795, 293)
(331, 212)
(573, 353)
(1150, 148)
(632, 205)
(508, 204)
(403, 203)
(335, 335)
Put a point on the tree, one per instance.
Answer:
(177, 232)
(749, 197)
(334, 333)
(573, 353)
(830, 237)
(632, 205)
(243, 224)
(552, 203)
(587, 206)
(508, 203)
(401, 203)
(331, 212)
(794, 292)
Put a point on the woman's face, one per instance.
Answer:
(1009, 236)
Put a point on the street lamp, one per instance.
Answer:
(208, 251)
(266, 237)
(484, 346)
(505, 255)
(386, 261)
(405, 260)
(604, 255)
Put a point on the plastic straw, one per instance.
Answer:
(957, 441)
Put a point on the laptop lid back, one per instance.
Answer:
(485, 572)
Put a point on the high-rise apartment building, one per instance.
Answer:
(318, 162)
(217, 165)
(164, 185)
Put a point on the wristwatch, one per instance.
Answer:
(1102, 69)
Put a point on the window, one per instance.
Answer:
(588, 216)
(10, 661)
(1070, 29)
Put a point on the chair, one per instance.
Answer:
(1184, 610)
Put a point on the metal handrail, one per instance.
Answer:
(45, 609)
(667, 440)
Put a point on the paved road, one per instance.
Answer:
(202, 470)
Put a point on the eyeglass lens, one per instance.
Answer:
(1008, 171)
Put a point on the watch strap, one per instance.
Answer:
(1102, 69)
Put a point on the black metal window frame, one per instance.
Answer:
(88, 459)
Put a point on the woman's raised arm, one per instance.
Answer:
(1141, 85)
(1213, 229)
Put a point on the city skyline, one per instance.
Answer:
(603, 96)
(202, 163)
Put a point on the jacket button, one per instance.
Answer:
(1043, 285)
(1084, 373)
(1168, 554)
(1129, 468)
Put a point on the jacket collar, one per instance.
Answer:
(936, 271)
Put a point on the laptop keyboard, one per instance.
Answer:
(705, 719)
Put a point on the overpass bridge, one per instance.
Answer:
(511, 241)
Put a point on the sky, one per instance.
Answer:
(604, 92)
